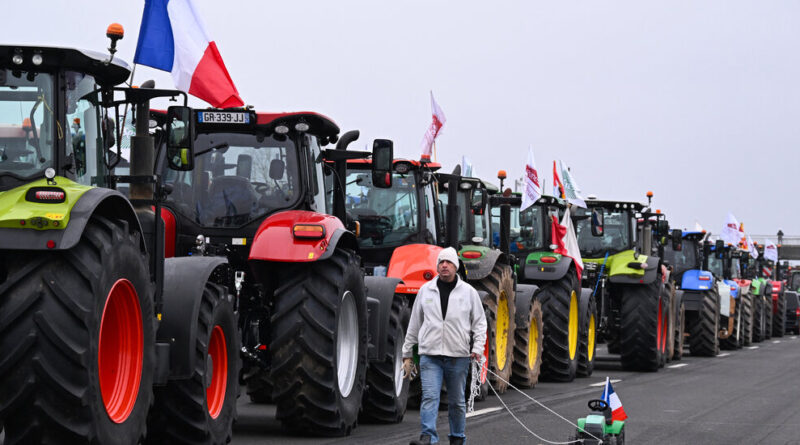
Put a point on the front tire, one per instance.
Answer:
(202, 408)
(528, 345)
(644, 318)
(318, 344)
(779, 319)
(77, 331)
(703, 332)
(561, 320)
(588, 336)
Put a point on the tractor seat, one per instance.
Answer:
(229, 196)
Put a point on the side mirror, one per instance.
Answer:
(479, 201)
(597, 222)
(276, 169)
(107, 127)
(677, 240)
(382, 157)
(662, 228)
(180, 138)
(719, 249)
(745, 257)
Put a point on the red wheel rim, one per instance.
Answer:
(120, 351)
(218, 354)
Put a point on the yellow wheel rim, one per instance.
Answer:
(501, 337)
(573, 325)
(533, 343)
(591, 338)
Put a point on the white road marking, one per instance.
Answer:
(776, 341)
(793, 337)
(603, 383)
(484, 411)
(725, 354)
(752, 347)
(679, 365)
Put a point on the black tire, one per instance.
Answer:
(386, 395)
(303, 344)
(528, 346)
(768, 313)
(188, 411)
(747, 319)
(560, 318)
(52, 319)
(643, 316)
(779, 319)
(587, 344)
(680, 329)
(258, 386)
(669, 289)
(759, 318)
(703, 331)
(500, 325)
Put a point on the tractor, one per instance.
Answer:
(104, 339)
(309, 318)
(761, 299)
(621, 244)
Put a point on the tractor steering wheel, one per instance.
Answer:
(598, 405)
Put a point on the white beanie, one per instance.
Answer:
(448, 254)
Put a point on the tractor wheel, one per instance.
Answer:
(768, 316)
(387, 391)
(779, 319)
(500, 323)
(703, 338)
(747, 320)
(561, 321)
(587, 346)
(77, 331)
(644, 319)
(528, 346)
(202, 408)
(318, 344)
(259, 388)
(680, 328)
(759, 317)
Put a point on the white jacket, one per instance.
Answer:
(449, 337)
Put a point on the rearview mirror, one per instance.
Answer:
(719, 249)
(382, 157)
(597, 222)
(677, 240)
(479, 201)
(662, 227)
(180, 138)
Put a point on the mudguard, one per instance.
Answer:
(480, 268)
(522, 299)
(692, 300)
(650, 274)
(697, 280)
(380, 295)
(411, 264)
(274, 240)
(533, 269)
(184, 281)
(94, 200)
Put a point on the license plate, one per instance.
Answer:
(222, 117)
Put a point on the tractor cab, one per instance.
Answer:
(606, 227)
(465, 204)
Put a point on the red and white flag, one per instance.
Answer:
(434, 129)
(610, 397)
(730, 231)
(533, 188)
(558, 186)
(770, 251)
(566, 242)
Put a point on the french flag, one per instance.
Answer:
(610, 397)
(172, 38)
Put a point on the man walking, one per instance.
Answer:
(446, 311)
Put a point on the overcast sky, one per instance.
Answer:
(698, 101)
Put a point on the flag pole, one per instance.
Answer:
(434, 151)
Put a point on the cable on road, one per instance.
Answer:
(540, 404)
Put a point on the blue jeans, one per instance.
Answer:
(453, 370)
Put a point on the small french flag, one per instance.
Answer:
(172, 38)
(610, 397)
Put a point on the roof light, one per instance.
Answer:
(301, 126)
(17, 59)
(49, 173)
(649, 194)
(402, 167)
(501, 174)
(281, 129)
(37, 59)
(465, 186)
(308, 231)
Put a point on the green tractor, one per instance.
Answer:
(103, 339)
(621, 243)
(599, 427)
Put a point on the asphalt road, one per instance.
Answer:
(743, 396)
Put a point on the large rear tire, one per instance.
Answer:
(318, 344)
(561, 321)
(588, 336)
(747, 319)
(759, 318)
(202, 408)
(767, 313)
(703, 332)
(77, 331)
(644, 318)
(528, 346)
(386, 394)
(779, 319)
(501, 309)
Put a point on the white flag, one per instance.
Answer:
(467, 169)
(770, 251)
(698, 227)
(730, 231)
(533, 189)
(572, 192)
(752, 246)
(434, 129)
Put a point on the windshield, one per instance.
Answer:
(616, 233)
(237, 179)
(27, 137)
(735, 269)
(526, 232)
(715, 265)
(684, 259)
(795, 283)
(387, 216)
